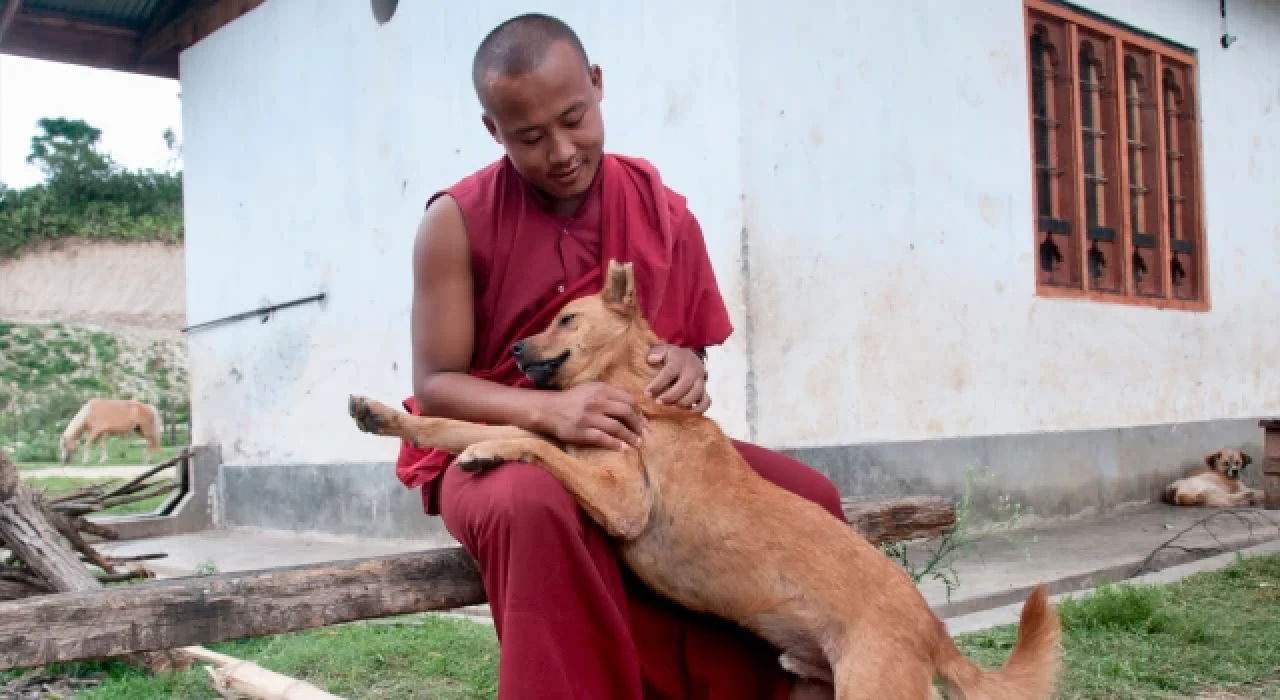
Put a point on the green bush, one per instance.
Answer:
(86, 195)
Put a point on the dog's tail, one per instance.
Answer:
(1031, 670)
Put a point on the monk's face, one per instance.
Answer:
(549, 121)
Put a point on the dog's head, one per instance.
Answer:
(1230, 463)
(591, 338)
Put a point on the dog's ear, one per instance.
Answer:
(619, 285)
(1246, 460)
(1212, 460)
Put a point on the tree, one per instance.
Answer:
(66, 150)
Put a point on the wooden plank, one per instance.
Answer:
(169, 614)
(181, 612)
(197, 22)
(900, 518)
(6, 20)
(26, 531)
(76, 45)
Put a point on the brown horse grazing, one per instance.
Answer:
(102, 417)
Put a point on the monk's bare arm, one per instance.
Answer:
(443, 337)
(443, 333)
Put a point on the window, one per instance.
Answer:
(1116, 162)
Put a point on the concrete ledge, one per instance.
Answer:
(361, 500)
(1054, 474)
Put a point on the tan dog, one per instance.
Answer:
(1218, 486)
(700, 527)
(102, 417)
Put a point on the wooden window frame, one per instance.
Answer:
(1081, 242)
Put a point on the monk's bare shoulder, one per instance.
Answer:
(441, 244)
(441, 322)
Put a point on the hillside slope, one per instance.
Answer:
(103, 283)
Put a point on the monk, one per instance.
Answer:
(495, 256)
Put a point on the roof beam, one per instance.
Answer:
(6, 20)
(53, 38)
(199, 21)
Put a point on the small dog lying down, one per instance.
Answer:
(700, 527)
(1218, 486)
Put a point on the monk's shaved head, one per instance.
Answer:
(518, 46)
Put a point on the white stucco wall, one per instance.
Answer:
(887, 175)
(891, 279)
(313, 139)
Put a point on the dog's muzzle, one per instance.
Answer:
(540, 372)
(1233, 473)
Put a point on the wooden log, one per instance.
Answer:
(181, 612)
(28, 533)
(898, 519)
(13, 589)
(191, 611)
(248, 678)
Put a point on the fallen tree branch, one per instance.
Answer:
(136, 482)
(238, 675)
(107, 501)
(28, 533)
(1203, 523)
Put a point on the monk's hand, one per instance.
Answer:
(593, 415)
(682, 381)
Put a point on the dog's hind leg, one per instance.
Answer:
(1243, 499)
(613, 490)
(869, 674)
(452, 436)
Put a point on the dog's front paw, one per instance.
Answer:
(483, 456)
(370, 416)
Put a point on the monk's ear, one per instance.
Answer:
(491, 127)
(619, 285)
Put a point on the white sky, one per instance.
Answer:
(131, 110)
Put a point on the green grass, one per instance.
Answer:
(1215, 635)
(120, 452)
(1214, 631)
(435, 658)
(49, 370)
(55, 486)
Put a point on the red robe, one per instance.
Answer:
(572, 624)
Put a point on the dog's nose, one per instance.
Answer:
(518, 349)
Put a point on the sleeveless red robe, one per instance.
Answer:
(572, 624)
